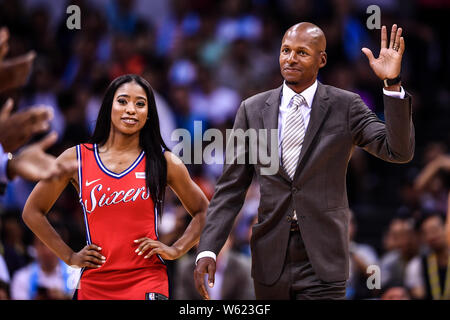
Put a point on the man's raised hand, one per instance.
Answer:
(389, 61)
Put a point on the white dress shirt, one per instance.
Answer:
(286, 97)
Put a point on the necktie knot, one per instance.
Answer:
(297, 101)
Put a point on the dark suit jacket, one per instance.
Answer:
(339, 121)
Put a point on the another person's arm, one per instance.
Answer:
(38, 205)
(32, 163)
(14, 72)
(17, 128)
(425, 176)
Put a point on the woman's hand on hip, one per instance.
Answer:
(88, 257)
(156, 247)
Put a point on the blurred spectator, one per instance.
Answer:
(361, 257)
(210, 49)
(167, 120)
(121, 16)
(237, 23)
(125, 58)
(182, 22)
(432, 182)
(403, 247)
(4, 290)
(428, 275)
(41, 92)
(238, 70)
(14, 248)
(218, 103)
(395, 293)
(47, 278)
(4, 272)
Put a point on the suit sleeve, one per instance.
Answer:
(392, 141)
(229, 195)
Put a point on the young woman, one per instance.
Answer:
(121, 179)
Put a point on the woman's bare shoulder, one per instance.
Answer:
(69, 159)
(175, 167)
(69, 154)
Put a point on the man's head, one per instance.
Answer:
(395, 293)
(402, 236)
(302, 54)
(432, 231)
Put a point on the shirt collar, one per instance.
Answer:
(288, 93)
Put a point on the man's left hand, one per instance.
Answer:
(388, 64)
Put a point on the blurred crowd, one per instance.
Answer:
(202, 58)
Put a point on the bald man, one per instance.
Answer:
(300, 241)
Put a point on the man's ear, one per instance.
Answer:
(323, 59)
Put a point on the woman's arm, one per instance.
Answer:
(39, 203)
(193, 200)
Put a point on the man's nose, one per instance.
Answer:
(292, 58)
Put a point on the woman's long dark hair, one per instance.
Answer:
(150, 139)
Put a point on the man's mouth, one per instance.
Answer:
(291, 69)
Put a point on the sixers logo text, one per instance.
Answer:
(100, 197)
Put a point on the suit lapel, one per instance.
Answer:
(269, 114)
(319, 111)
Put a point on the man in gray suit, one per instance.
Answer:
(300, 242)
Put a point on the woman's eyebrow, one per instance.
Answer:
(127, 96)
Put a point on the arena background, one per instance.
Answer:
(203, 58)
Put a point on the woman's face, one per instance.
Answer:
(129, 108)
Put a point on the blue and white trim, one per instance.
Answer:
(80, 186)
(80, 181)
(113, 174)
(156, 230)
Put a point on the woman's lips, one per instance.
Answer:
(129, 120)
